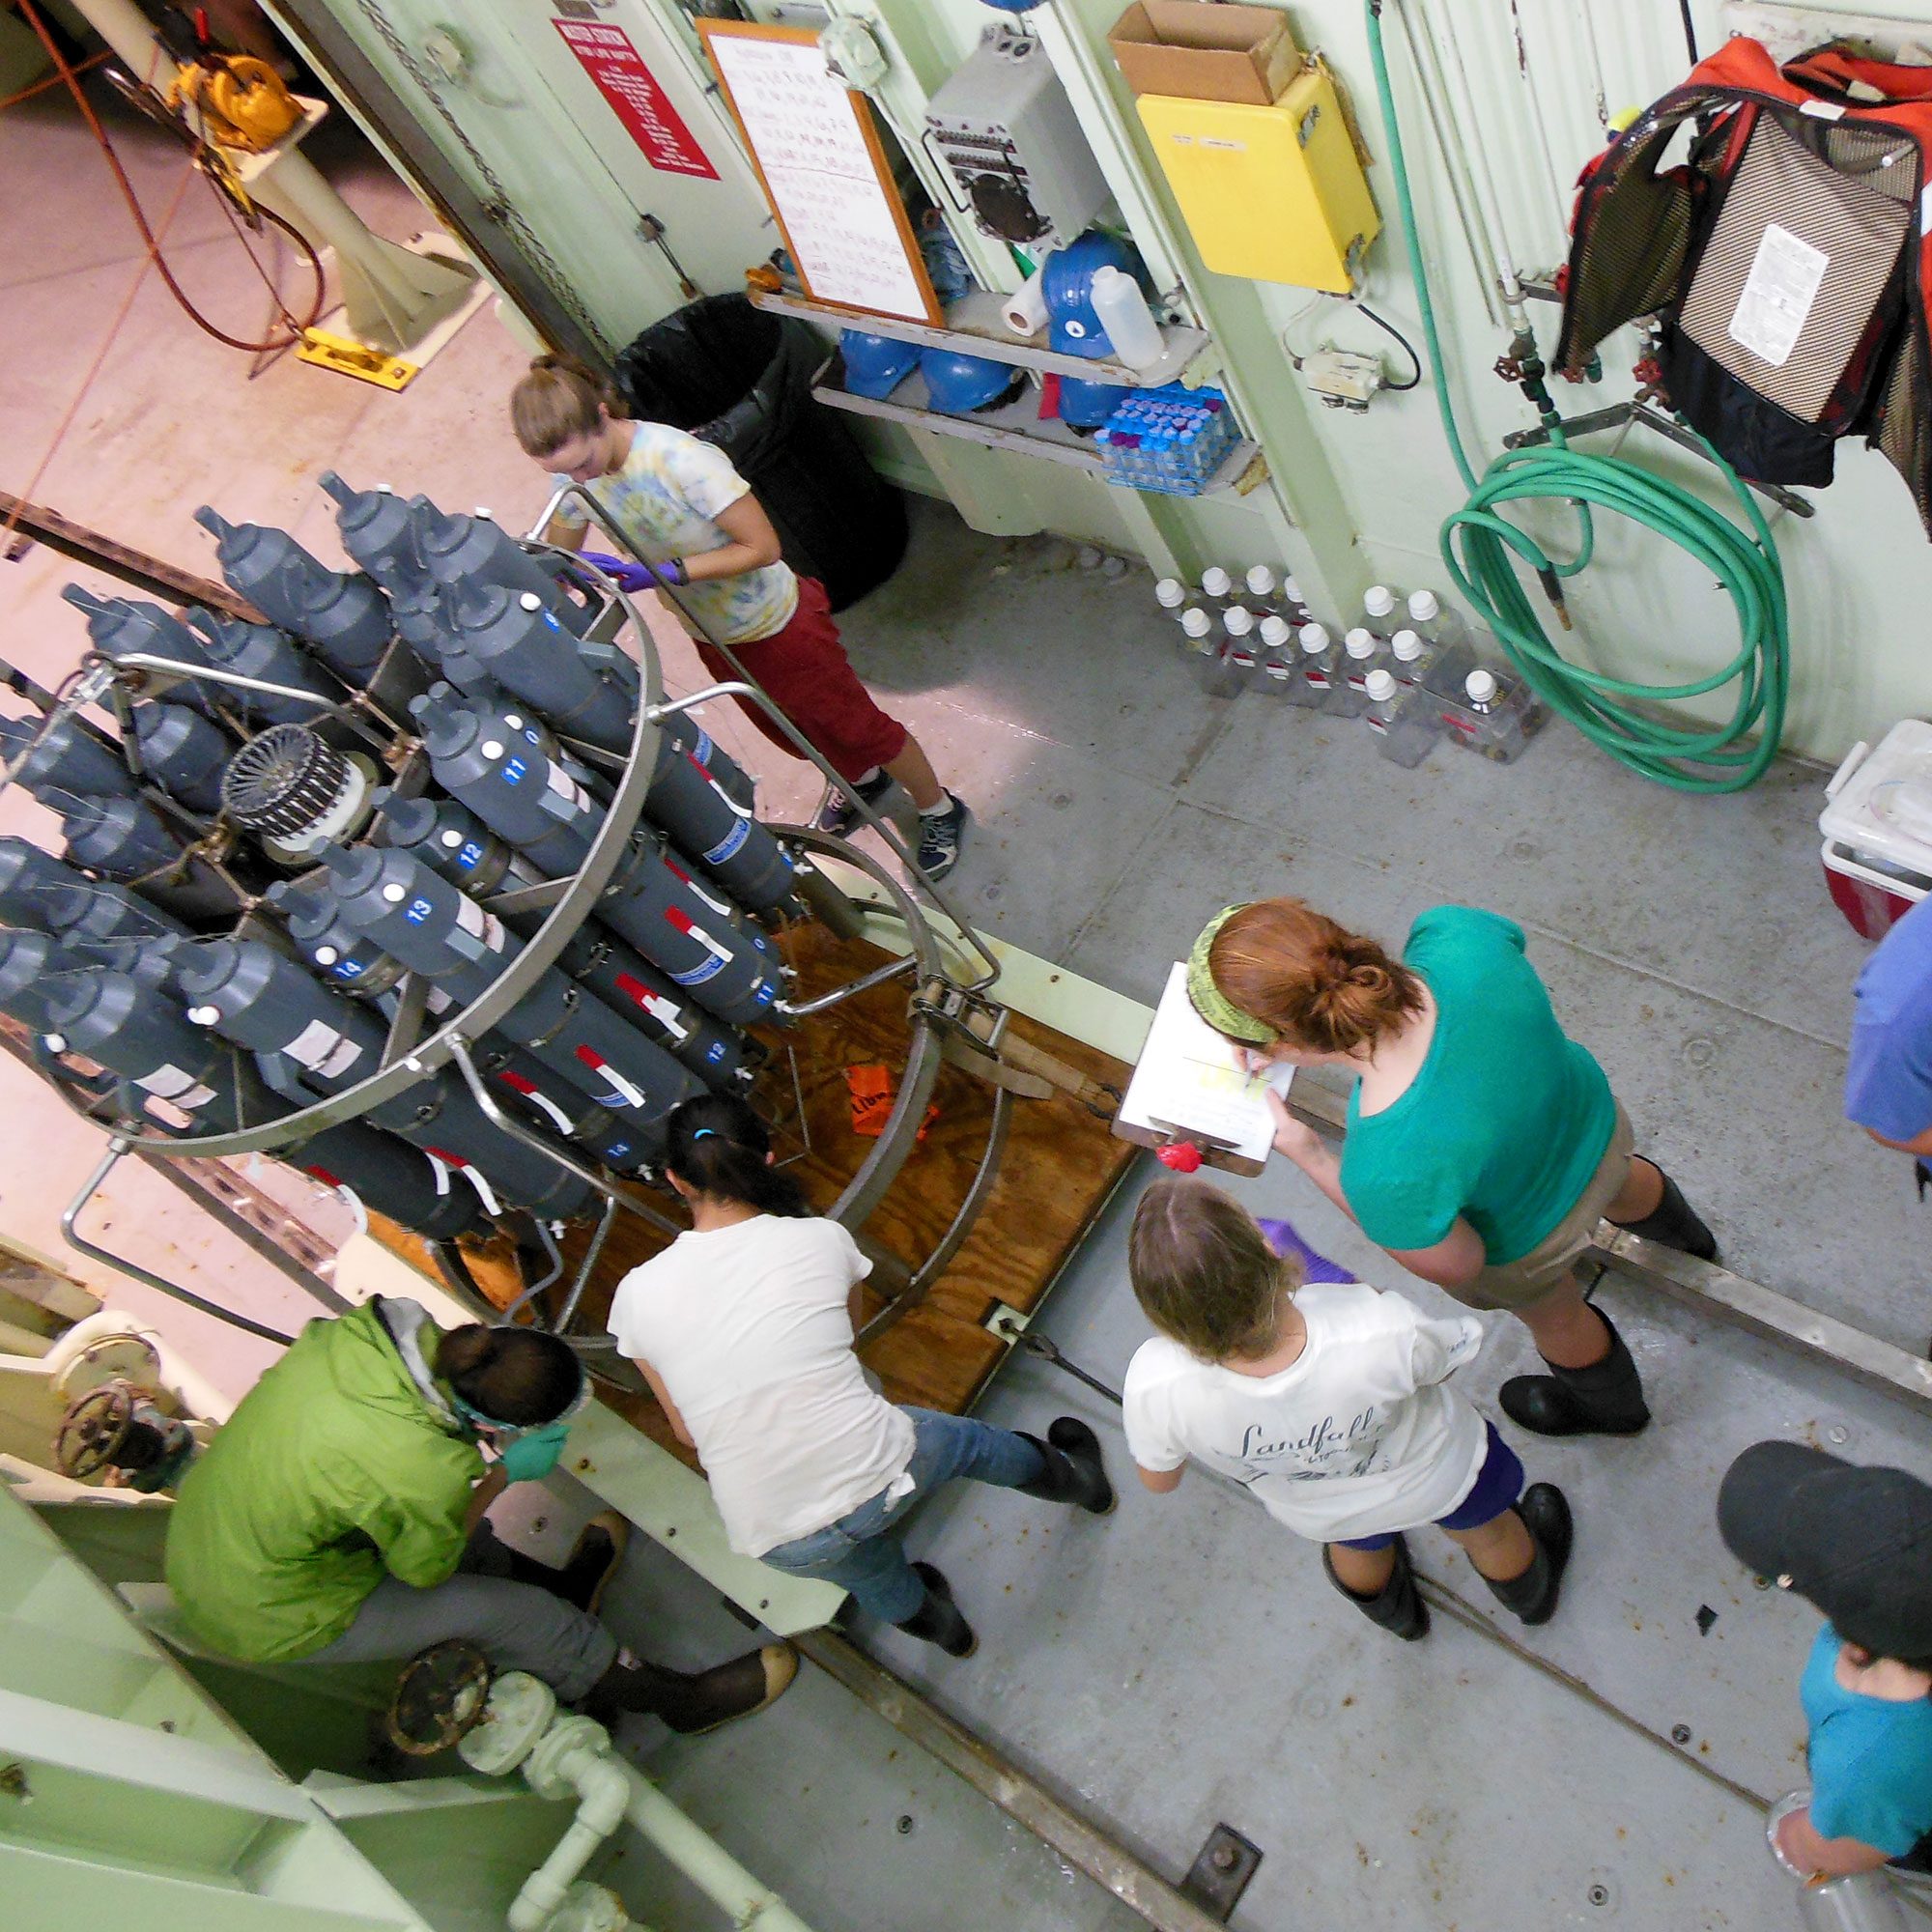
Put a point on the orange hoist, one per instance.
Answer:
(240, 102)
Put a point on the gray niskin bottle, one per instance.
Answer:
(68, 756)
(520, 641)
(119, 625)
(695, 741)
(453, 842)
(702, 818)
(344, 617)
(260, 650)
(32, 967)
(248, 993)
(36, 889)
(183, 754)
(154, 963)
(437, 930)
(379, 531)
(330, 945)
(422, 621)
(628, 983)
(120, 837)
(478, 549)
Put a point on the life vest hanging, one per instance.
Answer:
(1783, 250)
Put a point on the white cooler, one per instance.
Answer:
(1877, 824)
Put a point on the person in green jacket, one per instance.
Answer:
(1483, 1146)
(338, 1518)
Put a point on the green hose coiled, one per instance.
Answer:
(1480, 546)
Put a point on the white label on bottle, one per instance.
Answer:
(1378, 723)
(170, 1083)
(323, 1050)
(1783, 283)
(566, 787)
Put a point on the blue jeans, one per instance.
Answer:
(859, 1553)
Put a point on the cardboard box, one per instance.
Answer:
(1202, 51)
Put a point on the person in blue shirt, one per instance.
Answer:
(1888, 1083)
(1856, 1542)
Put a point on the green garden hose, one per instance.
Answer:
(1481, 548)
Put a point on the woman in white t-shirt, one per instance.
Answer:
(744, 1328)
(1329, 1401)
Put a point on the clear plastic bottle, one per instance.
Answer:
(1364, 651)
(1502, 714)
(1378, 605)
(1262, 596)
(1318, 672)
(1410, 655)
(1278, 656)
(1292, 603)
(1349, 698)
(1217, 588)
(1219, 673)
(1132, 332)
(1241, 644)
(1404, 720)
(1171, 594)
(1433, 621)
(1197, 631)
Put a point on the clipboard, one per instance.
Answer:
(1189, 1085)
(819, 158)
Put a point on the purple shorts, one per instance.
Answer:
(1497, 1484)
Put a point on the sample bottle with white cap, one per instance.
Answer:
(1261, 594)
(1499, 714)
(1378, 605)
(1217, 588)
(1278, 655)
(1290, 601)
(1435, 621)
(1241, 645)
(1406, 722)
(1320, 669)
(1171, 594)
(1362, 651)
(1197, 631)
(1410, 655)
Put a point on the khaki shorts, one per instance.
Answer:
(1528, 1279)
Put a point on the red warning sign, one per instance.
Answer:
(638, 100)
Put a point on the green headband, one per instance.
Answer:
(1207, 999)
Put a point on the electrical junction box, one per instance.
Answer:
(1272, 194)
(1005, 127)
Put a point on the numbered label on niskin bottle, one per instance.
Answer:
(732, 842)
(515, 771)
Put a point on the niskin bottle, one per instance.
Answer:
(1278, 656)
(1428, 615)
(260, 650)
(379, 532)
(66, 757)
(119, 625)
(520, 643)
(1501, 714)
(183, 754)
(1404, 721)
(1360, 648)
(1320, 655)
(1378, 605)
(478, 550)
(119, 836)
(344, 617)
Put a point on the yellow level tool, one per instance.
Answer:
(349, 357)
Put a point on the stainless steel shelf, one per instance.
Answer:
(973, 324)
(1015, 426)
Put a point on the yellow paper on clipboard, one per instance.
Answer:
(1189, 1078)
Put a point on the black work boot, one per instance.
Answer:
(1532, 1596)
(1074, 1471)
(1398, 1607)
(696, 1704)
(1605, 1399)
(582, 1577)
(1675, 1223)
(937, 1620)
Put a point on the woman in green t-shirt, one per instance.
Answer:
(1483, 1146)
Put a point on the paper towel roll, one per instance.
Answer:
(1025, 310)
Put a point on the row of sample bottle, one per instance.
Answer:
(1412, 681)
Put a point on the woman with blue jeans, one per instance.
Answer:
(744, 1329)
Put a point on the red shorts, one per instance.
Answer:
(805, 669)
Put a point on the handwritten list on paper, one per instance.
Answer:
(838, 215)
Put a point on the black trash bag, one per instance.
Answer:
(741, 379)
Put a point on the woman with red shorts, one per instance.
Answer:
(688, 513)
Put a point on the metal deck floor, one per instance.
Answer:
(1184, 1661)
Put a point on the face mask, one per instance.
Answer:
(508, 1432)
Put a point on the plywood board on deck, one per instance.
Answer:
(1061, 1163)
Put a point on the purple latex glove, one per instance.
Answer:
(632, 576)
(1281, 1236)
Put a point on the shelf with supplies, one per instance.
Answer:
(974, 323)
(1015, 425)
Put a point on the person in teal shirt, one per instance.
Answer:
(1858, 1543)
(1483, 1146)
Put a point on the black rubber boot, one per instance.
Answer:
(1675, 1224)
(1399, 1608)
(1605, 1399)
(696, 1704)
(937, 1620)
(1532, 1596)
(584, 1572)
(1074, 1471)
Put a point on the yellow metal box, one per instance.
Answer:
(1273, 194)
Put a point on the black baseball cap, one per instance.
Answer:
(1857, 1541)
